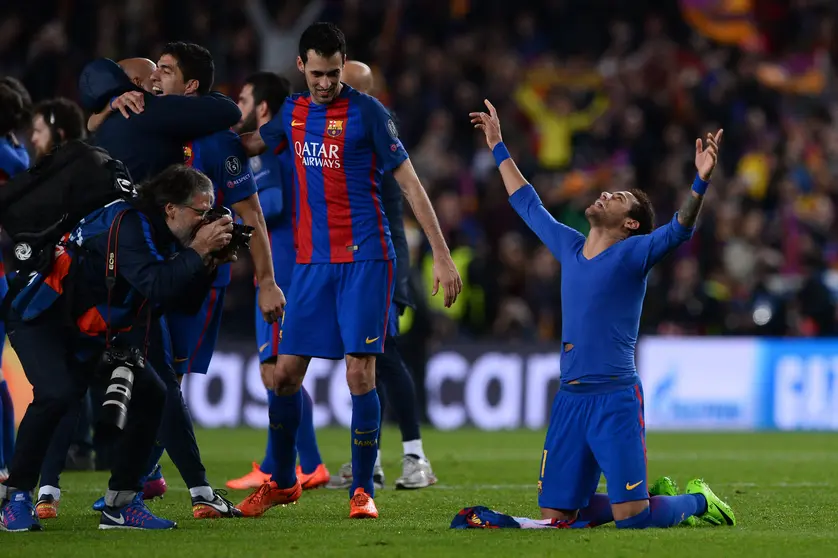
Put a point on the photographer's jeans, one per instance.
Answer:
(59, 382)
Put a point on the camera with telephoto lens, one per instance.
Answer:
(120, 366)
(241, 233)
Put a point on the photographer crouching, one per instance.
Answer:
(97, 317)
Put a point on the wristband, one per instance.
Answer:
(699, 185)
(501, 153)
(112, 100)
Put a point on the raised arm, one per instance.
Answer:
(557, 237)
(649, 249)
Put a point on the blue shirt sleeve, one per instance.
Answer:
(648, 249)
(273, 134)
(228, 169)
(388, 148)
(559, 239)
(271, 201)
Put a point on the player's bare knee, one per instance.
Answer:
(561, 515)
(289, 373)
(360, 373)
(627, 510)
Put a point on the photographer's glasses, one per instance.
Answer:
(202, 213)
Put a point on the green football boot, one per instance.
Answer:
(665, 486)
(718, 512)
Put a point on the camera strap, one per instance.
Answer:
(111, 269)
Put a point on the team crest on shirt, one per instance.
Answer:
(334, 128)
(187, 153)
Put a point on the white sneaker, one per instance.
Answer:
(344, 477)
(416, 473)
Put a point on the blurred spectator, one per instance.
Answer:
(596, 95)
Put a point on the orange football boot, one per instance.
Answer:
(254, 479)
(47, 507)
(267, 496)
(361, 506)
(320, 477)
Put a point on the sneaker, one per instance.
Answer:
(133, 516)
(318, 478)
(254, 479)
(665, 486)
(218, 506)
(344, 477)
(155, 485)
(416, 473)
(362, 506)
(17, 513)
(718, 512)
(267, 496)
(47, 507)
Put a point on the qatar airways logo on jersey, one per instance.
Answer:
(317, 154)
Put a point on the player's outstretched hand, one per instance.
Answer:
(271, 302)
(706, 157)
(489, 123)
(446, 274)
(132, 100)
(212, 237)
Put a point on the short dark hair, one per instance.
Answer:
(177, 184)
(642, 212)
(323, 38)
(195, 62)
(26, 100)
(62, 114)
(269, 87)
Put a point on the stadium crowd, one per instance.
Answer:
(591, 102)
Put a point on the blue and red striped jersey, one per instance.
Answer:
(341, 151)
(274, 179)
(13, 159)
(222, 158)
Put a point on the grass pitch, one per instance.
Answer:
(783, 488)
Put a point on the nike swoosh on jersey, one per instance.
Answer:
(264, 346)
(633, 486)
(370, 341)
(296, 123)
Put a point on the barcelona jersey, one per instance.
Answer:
(340, 152)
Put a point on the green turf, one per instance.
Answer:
(782, 487)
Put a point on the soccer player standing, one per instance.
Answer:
(260, 99)
(343, 141)
(597, 420)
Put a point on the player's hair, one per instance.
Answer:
(62, 114)
(195, 62)
(177, 184)
(15, 105)
(323, 38)
(269, 87)
(642, 212)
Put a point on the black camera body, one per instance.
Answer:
(241, 233)
(120, 366)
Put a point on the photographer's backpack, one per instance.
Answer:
(40, 206)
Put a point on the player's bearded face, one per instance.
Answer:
(248, 120)
(322, 75)
(41, 136)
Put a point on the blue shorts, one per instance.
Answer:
(194, 337)
(337, 309)
(591, 434)
(267, 335)
(393, 320)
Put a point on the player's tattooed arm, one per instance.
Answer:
(688, 214)
(705, 162)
